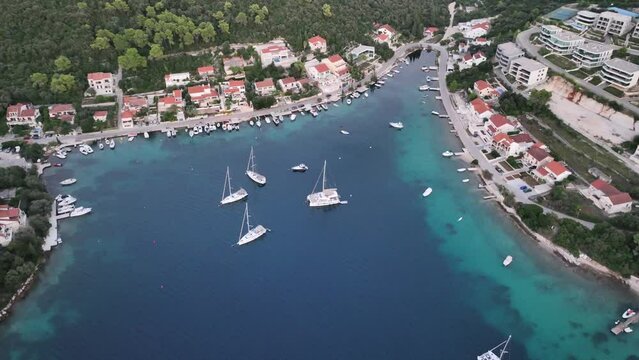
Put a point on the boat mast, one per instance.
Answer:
(503, 350)
(225, 181)
(251, 164)
(324, 176)
(243, 219)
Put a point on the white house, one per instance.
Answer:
(235, 90)
(100, 115)
(387, 30)
(528, 71)
(560, 41)
(289, 84)
(608, 198)
(551, 172)
(135, 103)
(536, 156)
(319, 72)
(276, 53)
(592, 54)
(206, 71)
(10, 220)
(477, 30)
(469, 60)
(102, 83)
(127, 117)
(484, 90)
(338, 67)
(174, 100)
(317, 43)
(265, 87)
(204, 96)
(64, 112)
(22, 114)
(586, 18)
(481, 110)
(177, 79)
(613, 23)
(498, 123)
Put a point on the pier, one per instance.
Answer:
(618, 329)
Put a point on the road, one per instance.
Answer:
(460, 126)
(523, 40)
(119, 95)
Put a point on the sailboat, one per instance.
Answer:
(252, 174)
(492, 353)
(251, 234)
(326, 197)
(232, 196)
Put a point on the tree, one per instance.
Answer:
(156, 52)
(39, 80)
(62, 83)
(228, 5)
(62, 63)
(101, 43)
(137, 37)
(218, 15)
(539, 98)
(120, 42)
(82, 5)
(224, 26)
(40, 225)
(326, 10)
(241, 18)
(132, 60)
(206, 32)
(39, 207)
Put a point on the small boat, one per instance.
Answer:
(58, 165)
(355, 95)
(378, 85)
(434, 112)
(101, 146)
(207, 128)
(65, 209)
(628, 330)
(428, 78)
(433, 67)
(326, 197)
(434, 89)
(496, 353)
(381, 82)
(336, 104)
(461, 170)
(293, 117)
(252, 173)
(252, 233)
(424, 88)
(365, 94)
(276, 121)
(396, 71)
(146, 134)
(508, 260)
(191, 133)
(324, 107)
(438, 97)
(112, 144)
(344, 132)
(299, 168)
(460, 219)
(628, 314)
(79, 211)
(65, 199)
(259, 123)
(348, 101)
(60, 155)
(131, 138)
(69, 181)
(465, 180)
(251, 123)
(232, 196)
(434, 79)
(389, 75)
(83, 150)
(396, 125)
(427, 192)
(314, 113)
(447, 153)
(267, 119)
(424, 68)
(302, 113)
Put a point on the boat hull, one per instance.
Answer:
(234, 197)
(253, 234)
(256, 177)
(328, 197)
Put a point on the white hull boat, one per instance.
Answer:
(508, 260)
(396, 125)
(461, 170)
(299, 168)
(146, 135)
(447, 153)
(79, 211)
(293, 117)
(465, 180)
(258, 123)
(427, 192)
(232, 196)
(131, 138)
(434, 113)
(251, 123)
(253, 233)
(424, 88)
(326, 197)
(68, 182)
(65, 209)
(112, 144)
(101, 146)
(628, 314)
(496, 353)
(344, 132)
(251, 170)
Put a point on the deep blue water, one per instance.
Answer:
(152, 273)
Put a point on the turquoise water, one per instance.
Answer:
(152, 273)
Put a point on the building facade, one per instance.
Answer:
(591, 54)
(506, 53)
(613, 23)
(527, 71)
(102, 83)
(620, 73)
(560, 41)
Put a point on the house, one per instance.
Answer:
(469, 60)
(620, 73)
(127, 119)
(592, 54)
(338, 66)
(10, 220)
(481, 41)
(430, 31)
(276, 53)
(265, 87)
(177, 79)
(134, 103)
(204, 96)
(523, 140)
(319, 72)
(317, 43)
(64, 112)
(608, 198)
(234, 65)
(206, 71)
(6, 235)
(536, 157)
(387, 30)
(484, 90)
(477, 30)
(462, 46)
(102, 83)
(289, 84)
(362, 53)
(498, 123)
(480, 109)
(586, 18)
(609, 22)
(172, 101)
(382, 39)
(551, 172)
(235, 91)
(22, 114)
(100, 115)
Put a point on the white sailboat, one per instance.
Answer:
(232, 196)
(251, 173)
(492, 353)
(326, 197)
(252, 233)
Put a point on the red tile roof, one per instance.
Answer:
(9, 213)
(198, 89)
(382, 37)
(479, 55)
(481, 40)
(388, 28)
(616, 197)
(99, 76)
(620, 198)
(523, 138)
(127, 114)
(266, 83)
(556, 168)
(501, 137)
(135, 101)
(467, 57)
(60, 108)
(321, 68)
(480, 106)
(317, 39)
(273, 48)
(100, 113)
(538, 153)
(432, 29)
(288, 80)
(236, 83)
(205, 70)
(484, 25)
(542, 171)
(335, 58)
(499, 120)
(482, 84)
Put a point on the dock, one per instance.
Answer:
(618, 329)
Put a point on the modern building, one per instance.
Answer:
(635, 33)
(177, 79)
(586, 18)
(527, 71)
(102, 83)
(506, 53)
(362, 53)
(608, 198)
(620, 73)
(592, 54)
(613, 23)
(317, 43)
(277, 53)
(560, 41)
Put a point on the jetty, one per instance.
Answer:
(618, 329)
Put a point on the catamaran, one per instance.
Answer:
(232, 196)
(251, 173)
(251, 234)
(492, 353)
(326, 197)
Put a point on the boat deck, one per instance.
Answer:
(618, 329)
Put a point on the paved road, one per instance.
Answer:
(119, 96)
(523, 40)
(460, 126)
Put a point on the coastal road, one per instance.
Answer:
(468, 142)
(523, 40)
(119, 95)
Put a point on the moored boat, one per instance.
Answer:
(427, 192)
(396, 125)
(69, 181)
(252, 233)
(508, 260)
(424, 88)
(496, 353)
(299, 168)
(326, 197)
(628, 314)
(447, 153)
(232, 196)
(79, 211)
(251, 171)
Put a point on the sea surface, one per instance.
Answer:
(152, 273)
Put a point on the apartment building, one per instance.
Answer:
(527, 71)
(613, 23)
(620, 73)
(586, 18)
(635, 33)
(592, 54)
(506, 53)
(560, 41)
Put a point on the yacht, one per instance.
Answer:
(258, 123)
(434, 112)
(424, 88)
(344, 132)
(79, 211)
(628, 314)
(396, 125)
(65, 199)
(324, 107)
(65, 209)
(146, 134)
(299, 168)
(69, 181)
(251, 233)
(326, 197)
(232, 196)
(447, 153)
(508, 260)
(112, 144)
(492, 353)
(427, 192)
(252, 173)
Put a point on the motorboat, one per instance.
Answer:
(460, 219)
(314, 113)
(292, 117)
(65, 199)
(447, 153)
(627, 330)
(69, 181)
(60, 155)
(508, 260)
(427, 192)
(65, 209)
(438, 97)
(396, 125)
(251, 123)
(428, 78)
(396, 71)
(433, 67)
(465, 180)
(324, 107)
(258, 123)
(79, 211)
(191, 133)
(434, 112)
(355, 95)
(496, 353)
(252, 233)
(146, 134)
(434, 89)
(232, 196)
(425, 68)
(101, 146)
(424, 88)
(299, 168)
(389, 75)
(207, 128)
(276, 121)
(461, 169)
(83, 150)
(267, 119)
(344, 132)
(381, 82)
(434, 79)
(112, 144)
(365, 94)
(326, 197)
(628, 314)
(348, 101)
(131, 138)
(251, 171)
(58, 165)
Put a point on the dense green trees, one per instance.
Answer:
(465, 79)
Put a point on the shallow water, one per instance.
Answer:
(152, 272)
